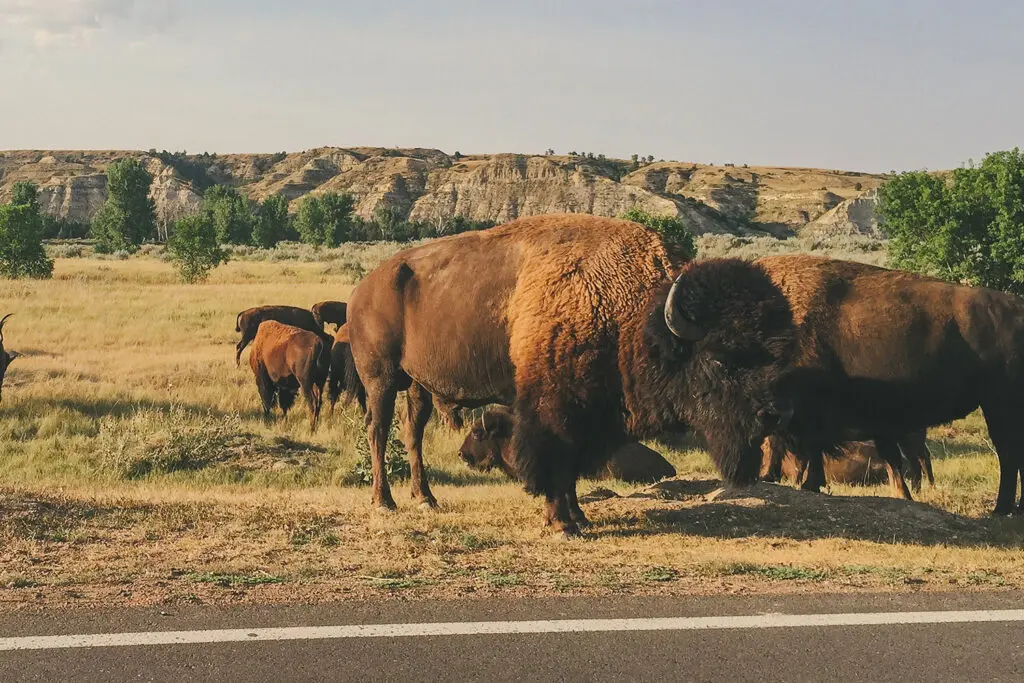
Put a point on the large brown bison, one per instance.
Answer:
(884, 353)
(589, 328)
(334, 312)
(248, 322)
(488, 446)
(857, 462)
(286, 360)
(5, 356)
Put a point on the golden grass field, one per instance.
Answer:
(136, 468)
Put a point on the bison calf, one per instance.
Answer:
(334, 312)
(248, 322)
(286, 360)
(489, 446)
(5, 356)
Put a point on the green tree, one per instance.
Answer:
(21, 242)
(670, 228)
(271, 222)
(325, 219)
(128, 217)
(967, 228)
(25, 192)
(194, 247)
(230, 212)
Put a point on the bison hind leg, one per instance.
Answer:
(266, 388)
(419, 406)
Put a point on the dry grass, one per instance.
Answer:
(135, 467)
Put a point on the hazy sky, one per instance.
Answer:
(873, 85)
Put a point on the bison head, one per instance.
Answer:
(723, 338)
(5, 356)
(482, 449)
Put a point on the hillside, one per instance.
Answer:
(430, 185)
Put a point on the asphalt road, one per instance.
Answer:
(977, 651)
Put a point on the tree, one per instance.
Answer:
(230, 212)
(25, 193)
(271, 222)
(325, 219)
(670, 228)
(21, 242)
(194, 247)
(968, 228)
(128, 217)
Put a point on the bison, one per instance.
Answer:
(334, 312)
(5, 356)
(885, 352)
(286, 360)
(449, 413)
(248, 322)
(590, 328)
(488, 446)
(857, 462)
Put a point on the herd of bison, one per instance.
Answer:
(581, 336)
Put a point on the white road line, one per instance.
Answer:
(472, 628)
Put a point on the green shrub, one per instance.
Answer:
(670, 228)
(194, 247)
(21, 242)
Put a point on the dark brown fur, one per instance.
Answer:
(334, 312)
(563, 317)
(286, 360)
(489, 446)
(884, 353)
(248, 322)
(5, 356)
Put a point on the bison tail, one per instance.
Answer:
(348, 379)
(238, 323)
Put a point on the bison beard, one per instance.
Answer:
(564, 318)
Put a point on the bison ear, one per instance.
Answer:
(680, 324)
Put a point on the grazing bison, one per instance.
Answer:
(248, 322)
(857, 462)
(334, 312)
(286, 360)
(5, 356)
(489, 446)
(589, 328)
(340, 364)
(884, 353)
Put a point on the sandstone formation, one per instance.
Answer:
(430, 185)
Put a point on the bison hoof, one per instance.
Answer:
(580, 519)
(386, 504)
(813, 488)
(566, 533)
(428, 503)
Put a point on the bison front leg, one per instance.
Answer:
(773, 452)
(1003, 431)
(889, 450)
(575, 511)
(814, 457)
(419, 404)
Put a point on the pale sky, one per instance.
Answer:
(873, 85)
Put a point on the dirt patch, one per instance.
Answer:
(762, 510)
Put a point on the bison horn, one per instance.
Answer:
(678, 324)
(2, 321)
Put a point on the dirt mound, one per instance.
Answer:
(703, 507)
